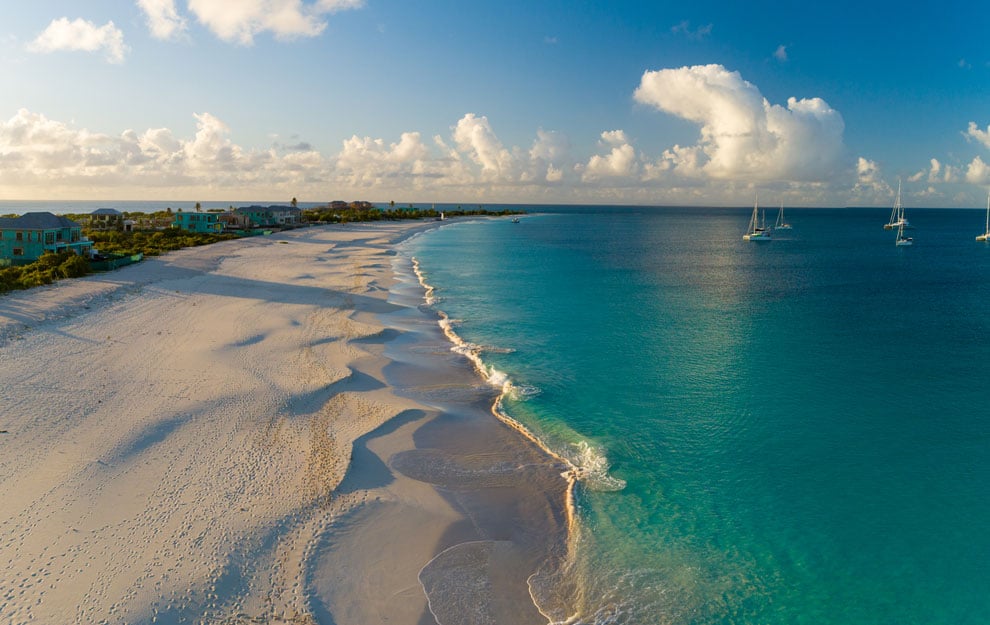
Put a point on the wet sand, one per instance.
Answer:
(266, 430)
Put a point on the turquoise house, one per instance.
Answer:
(270, 216)
(198, 222)
(24, 239)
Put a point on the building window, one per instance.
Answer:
(18, 251)
(49, 238)
(19, 236)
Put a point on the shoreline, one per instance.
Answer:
(254, 429)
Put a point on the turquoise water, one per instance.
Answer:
(797, 431)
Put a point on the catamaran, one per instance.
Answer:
(781, 224)
(986, 235)
(757, 230)
(897, 219)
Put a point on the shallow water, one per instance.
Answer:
(793, 431)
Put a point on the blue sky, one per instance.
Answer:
(708, 102)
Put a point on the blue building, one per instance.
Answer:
(24, 239)
(198, 222)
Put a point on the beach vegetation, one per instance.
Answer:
(372, 213)
(47, 269)
(152, 242)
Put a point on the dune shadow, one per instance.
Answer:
(386, 335)
(367, 470)
(148, 436)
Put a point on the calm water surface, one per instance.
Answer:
(788, 432)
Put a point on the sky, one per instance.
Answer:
(709, 102)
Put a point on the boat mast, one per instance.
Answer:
(900, 208)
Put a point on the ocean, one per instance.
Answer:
(789, 432)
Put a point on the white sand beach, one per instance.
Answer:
(210, 436)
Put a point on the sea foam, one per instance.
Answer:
(586, 463)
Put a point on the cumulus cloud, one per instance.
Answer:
(743, 136)
(163, 19)
(869, 185)
(81, 35)
(620, 161)
(978, 172)
(40, 153)
(242, 20)
(367, 162)
(37, 152)
(474, 136)
(982, 136)
(548, 155)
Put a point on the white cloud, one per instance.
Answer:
(780, 53)
(242, 20)
(620, 161)
(36, 153)
(163, 19)
(978, 172)
(81, 35)
(40, 155)
(550, 146)
(475, 137)
(974, 132)
(367, 162)
(743, 136)
(869, 186)
(548, 157)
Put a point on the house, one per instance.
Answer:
(233, 220)
(106, 219)
(24, 239)
(269, 216)
(198, 222)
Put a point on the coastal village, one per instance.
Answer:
(25, 238)
(38, 248)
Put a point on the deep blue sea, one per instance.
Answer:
(794, 432)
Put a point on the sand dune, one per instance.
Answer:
(178, 432)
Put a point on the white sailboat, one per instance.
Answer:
(901, 239)
(986, 235)
(757, 230)
(781, 224)
(897, 219)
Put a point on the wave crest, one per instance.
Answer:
(591, 467)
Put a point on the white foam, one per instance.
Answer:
(592, 467)
(585, 463)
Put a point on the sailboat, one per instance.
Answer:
(757, 230)
(986, 235)
(897, 219)
(901, 239)
(781, 224)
